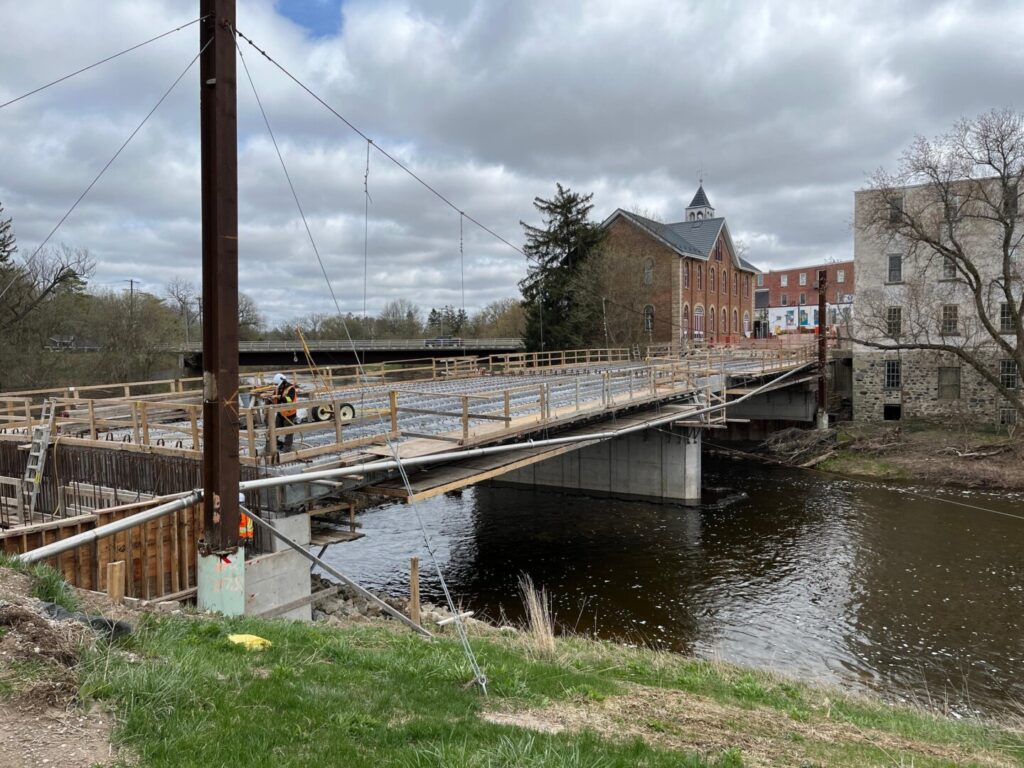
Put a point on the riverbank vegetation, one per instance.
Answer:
(371, 694)
(954, 454)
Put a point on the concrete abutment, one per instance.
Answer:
(661, 464)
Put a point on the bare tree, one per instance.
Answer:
(952, 211)
(29, 286)
(186, 297)
(250, 321)
(400, 319)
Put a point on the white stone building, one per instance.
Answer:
(938, 283)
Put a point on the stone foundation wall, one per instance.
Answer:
(918, 395)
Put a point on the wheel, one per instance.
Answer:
(322, 413)
(346, 412)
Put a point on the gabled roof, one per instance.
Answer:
(700, 200)
(693, 239)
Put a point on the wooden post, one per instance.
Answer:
(92, 419)
(145, 422)
(393, 397)
(352, 517)
(414, 589)
(250, 430)
(115, 581)
(508, 410)
(465, 418)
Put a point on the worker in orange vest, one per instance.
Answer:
(284, 393)
(245, 528)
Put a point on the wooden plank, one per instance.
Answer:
(116, 581)
(414, 589)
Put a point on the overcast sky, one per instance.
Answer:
(784, 107)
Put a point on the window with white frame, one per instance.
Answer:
(1005, 318)
(950, 320)
(686, 274)
(648, 319)
(1009, 376)
(785, 300)
(895, 268)
(803, 298)
(894, 322)
(893, 378)
(803, 278)
(784, 281)
(840, 275)
(760, 279)
(948, 268)
(1007, 416)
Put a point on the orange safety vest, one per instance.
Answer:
(245, 530)
(286, 394)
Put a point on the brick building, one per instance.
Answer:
(697, 288)
(787, 299)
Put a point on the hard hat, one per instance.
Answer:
(279, 378)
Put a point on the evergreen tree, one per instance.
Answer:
(7, 242)
(555, 252)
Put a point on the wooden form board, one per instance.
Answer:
(160, 556)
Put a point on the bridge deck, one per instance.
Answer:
(423, 410)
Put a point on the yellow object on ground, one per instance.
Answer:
(251, 642)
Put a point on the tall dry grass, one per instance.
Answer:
(540, 621)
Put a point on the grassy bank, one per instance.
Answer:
(371, 695)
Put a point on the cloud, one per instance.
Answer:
(784, 108)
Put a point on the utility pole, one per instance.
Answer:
(219, 138)
(822, 415)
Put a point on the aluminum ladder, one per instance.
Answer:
(37, 457)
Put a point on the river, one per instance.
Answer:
(861, 584)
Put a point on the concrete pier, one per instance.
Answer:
(656, 465)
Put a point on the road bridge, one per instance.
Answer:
(343, 352)
(596, 421)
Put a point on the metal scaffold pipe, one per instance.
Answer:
(88, 537)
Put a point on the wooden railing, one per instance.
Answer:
(171, 422)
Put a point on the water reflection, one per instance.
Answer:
(840, 581)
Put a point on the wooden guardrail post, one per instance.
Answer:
(508, 409)
(115, 581)
(393, 403)
(414, 589)
(465, 419)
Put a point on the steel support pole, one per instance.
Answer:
(822, 414)
(219, 138)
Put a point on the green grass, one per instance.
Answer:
(47, 583)
(364, 696)
(368, 695)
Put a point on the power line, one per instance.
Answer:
(101, 61)
(376, 146)
(35, 253)
(479, 677)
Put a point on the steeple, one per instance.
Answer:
(700, 207)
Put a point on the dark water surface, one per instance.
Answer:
(841, 581)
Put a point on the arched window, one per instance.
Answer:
(735, 321)
(700, 277)
(686, 274)
(725, 321)
(735, 284)
(649, 272)
(725, 281)
(649, 319)
(711, 322)
(746, 286)
(698, 322)
(684, 331)
(711, 280)
(693, 216)
(746, 323)
(700, 214)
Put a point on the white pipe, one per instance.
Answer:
(88, 537)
